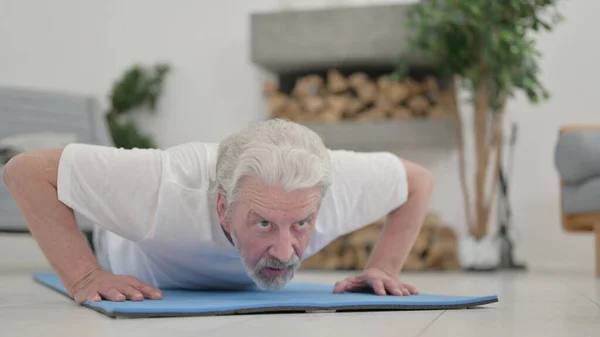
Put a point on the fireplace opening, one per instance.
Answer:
(362, 93)
(287, 80)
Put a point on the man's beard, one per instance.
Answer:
(259, 273)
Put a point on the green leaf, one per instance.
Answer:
(138, 87)
(528, 83)
(506, 35)
(460, 35)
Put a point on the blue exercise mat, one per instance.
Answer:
(296, 297)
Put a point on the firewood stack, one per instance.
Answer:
(358, 97)
(436, 248)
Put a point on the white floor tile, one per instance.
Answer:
(502, 324)
(408, 323)
(531, 303)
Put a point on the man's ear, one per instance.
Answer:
(222, 212)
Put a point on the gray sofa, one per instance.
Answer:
(33, 119)
(577, 161)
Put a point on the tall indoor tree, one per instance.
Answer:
(486, 48)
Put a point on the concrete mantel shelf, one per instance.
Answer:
(299, 40)
(290, 43)
(387, 135)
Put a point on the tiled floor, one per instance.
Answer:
(546, 304)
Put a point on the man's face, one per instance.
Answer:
(271, 229)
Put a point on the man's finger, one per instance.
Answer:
(405, 292)
(114, 295)
(149, 291)
(131, 293)
(378, 287)
(94, 296)
(411, 289)
(394, 287)
(80, 296)
(340, 287)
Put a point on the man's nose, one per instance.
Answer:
(283, 248)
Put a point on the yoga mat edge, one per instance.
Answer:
(158, 308)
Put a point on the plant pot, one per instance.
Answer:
(480, 255)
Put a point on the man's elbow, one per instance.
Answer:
(41, 164)
(11, 169)
(420, 179)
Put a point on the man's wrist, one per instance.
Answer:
(81, 279)
(391, 268)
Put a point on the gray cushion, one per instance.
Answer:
(577, 156)
(33, 119)
(582, 198)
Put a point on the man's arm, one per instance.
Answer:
(403, 224)
(32, 179)
(400, 230)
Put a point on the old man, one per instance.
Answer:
(241, 213)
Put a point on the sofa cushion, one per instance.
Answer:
(582, 198)
(577, 155)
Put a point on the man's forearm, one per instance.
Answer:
(402, 226)
(52, 223)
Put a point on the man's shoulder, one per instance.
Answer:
(198, 152)
(365, 186)
(191, 164)
(194, 146)
(355, 164)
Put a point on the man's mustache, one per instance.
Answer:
(273, 262)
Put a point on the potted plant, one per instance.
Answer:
(138, 88)
(484, 47)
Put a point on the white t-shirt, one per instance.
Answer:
(155, 210)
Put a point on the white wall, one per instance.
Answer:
(214, 89)
(571, 72)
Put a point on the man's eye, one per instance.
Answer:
(263, 224)
(302, 223)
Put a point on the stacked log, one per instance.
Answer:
(358, 97)
(436, 248)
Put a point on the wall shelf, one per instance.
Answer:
(387, 135)
(297, 40)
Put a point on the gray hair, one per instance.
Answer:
(277, 152)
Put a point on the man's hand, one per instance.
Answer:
(101, 284)
(375, 280)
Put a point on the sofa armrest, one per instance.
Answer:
(577, 153)
(575, 164)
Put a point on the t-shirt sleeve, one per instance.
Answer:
(366, 187)
(118, 189)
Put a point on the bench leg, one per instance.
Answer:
(597, 232)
